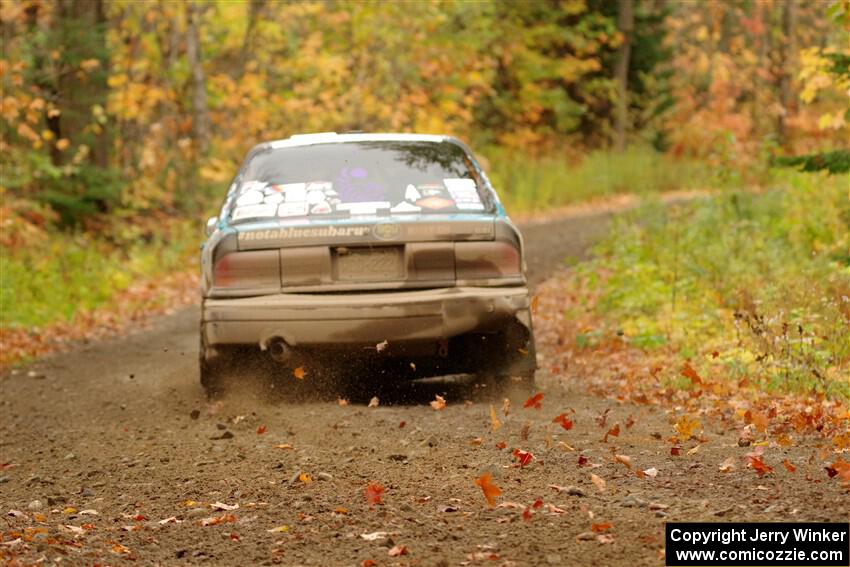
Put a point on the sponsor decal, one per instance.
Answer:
(322, 208)
(405, 207)
(470, 206)
(319, 186)
(292, 209)
(435, 203)
(250, 198)
(464, 193)
(386, 230)
(253, 211)
(294, 192)
(273, 199)
(251, 185)
(314, 232)
(411, 193)
(314, 197)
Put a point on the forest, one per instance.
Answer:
(123, 121)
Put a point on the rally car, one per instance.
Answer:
(370, 248)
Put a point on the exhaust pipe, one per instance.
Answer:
(279, 350)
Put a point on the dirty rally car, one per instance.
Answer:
(387, 250)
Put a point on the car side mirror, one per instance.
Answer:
(212, 222)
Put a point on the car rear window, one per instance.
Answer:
(345, 179)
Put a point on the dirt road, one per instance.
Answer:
(111, 455)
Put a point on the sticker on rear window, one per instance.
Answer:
(411, 193)
(464, 193)
(405, 207)
(249, 185)
(250, 198)
(292, 209)
(254, 211)
(435, 203)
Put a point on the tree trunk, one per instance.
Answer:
(625, 23)
(200, 118)
(81, 33)
(254, 8)
(786, 95)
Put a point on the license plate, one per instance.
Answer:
(381, 263)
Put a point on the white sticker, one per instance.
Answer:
(314, 197)
(364, 205)
(273, 199)
(322, 208)
(405, 207)
(411, 194)
(464, 193)
(253, 211)
(249, 185)
(292, 209)
(469, 206)
(320, 186)
(249, 198)
(294, 192)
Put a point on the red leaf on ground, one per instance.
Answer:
(524, 457)
(261, 429)
(563, 421)
(602, 418)
(527, 514)
(374, 494)
(840, 468)
(402, 424)
(758, 465)
(603, 527)
(490, 490)
(537, 503)
(501, 445)
(675, 451)
(788, 466)
(534, 401)
(582, 461)
(629, 422)
(368, 563)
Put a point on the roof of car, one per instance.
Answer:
(333, 137)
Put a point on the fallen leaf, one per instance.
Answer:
(686, 427)
(675, 451)
(650, 472)
(491, 491)
(583, 461)
(630, 421)
(381, 346)
(758, 465)
(727, 465)
(285, 446)
(475, 441)
(602, 527)
(340, 510)
(299, 373)
(234, 536)
(691, 374)
(439, 403)
(397, 550)
(599, 482)
(222, 506)
(494, 419)
(305, 478)
(401, 424)
(563, 421)
(169, 520)
(527, 514)
(788, 466)
(278, 530)
(506, 406)
(374, 536)
(758, 419)
(624, 459)
(374, 494)
(537, 503)
(118, 548)
(374, 402)
(840, 468)
(501, 445)
(613, 432)
(524, 457)
(602, 418)
(693, 450)
(261, 429)
(605, 538)
(534, 401)
(216, 520)
(342, 402)
(368, 563)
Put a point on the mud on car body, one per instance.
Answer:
(388, 249)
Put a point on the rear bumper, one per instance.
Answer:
(363, 318)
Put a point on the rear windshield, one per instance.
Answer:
(358, 178)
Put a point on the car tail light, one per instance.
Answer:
(480, 260)
(254, 269)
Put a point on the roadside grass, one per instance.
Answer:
(751, 286)
(528, 185)
(62, 274)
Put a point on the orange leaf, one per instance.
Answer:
(563, 421)
(261, 429)
(598, 528)
(374, 494)
(368, 563)
(760, 420)
(491, 491)
(439, 403)
(624, 459)
(675, 451)
(299, 373)
(397, 550)
(788, 466)
(494, 419)
(689, 372)
(758, 465)
(534, 401)
(501, 445)
(614, 432)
